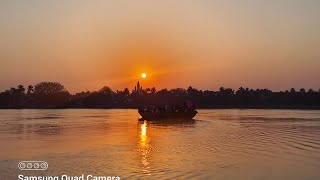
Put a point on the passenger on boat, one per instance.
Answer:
(186, 107)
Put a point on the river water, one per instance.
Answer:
(218, 144)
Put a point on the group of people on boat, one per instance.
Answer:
(186, 107)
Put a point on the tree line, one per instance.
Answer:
(55, 95)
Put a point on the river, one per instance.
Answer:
(217, 144)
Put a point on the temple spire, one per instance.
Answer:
(138, 88)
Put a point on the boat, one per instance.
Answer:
(145, 115)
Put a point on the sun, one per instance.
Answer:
(143, 75)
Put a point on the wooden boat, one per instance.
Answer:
(166, 115)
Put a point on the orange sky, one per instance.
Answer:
(86, 45)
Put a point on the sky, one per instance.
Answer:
(86, 45)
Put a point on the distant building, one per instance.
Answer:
(138, 88)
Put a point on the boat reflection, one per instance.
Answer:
(173, 122)
(144, 148)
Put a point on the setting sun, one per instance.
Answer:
(143, 75)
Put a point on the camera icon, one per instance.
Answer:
(33, 165)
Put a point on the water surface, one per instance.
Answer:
(218, 144)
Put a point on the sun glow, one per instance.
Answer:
(143, 75)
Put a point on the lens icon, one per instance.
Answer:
(29, 165)
(36, 165)
(44, 165)
(22, 165)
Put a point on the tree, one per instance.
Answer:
(192, 91)
(221, 89)
(51, 94)
(106, 91)
(178, 92)
(302, 91)
(49, 88)
(13, 91)
(226, 91)
(153, 90)
(148, 90)
(163, 92)
(126, 92)
(241, 92)
(21, 89)
(30, 89)
(311, 91)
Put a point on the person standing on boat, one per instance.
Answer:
(190, 106)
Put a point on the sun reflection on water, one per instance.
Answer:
(144, 148)
(143, 135)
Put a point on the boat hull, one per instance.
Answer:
(167, 115)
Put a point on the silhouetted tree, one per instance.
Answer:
(192, 91)
(126, 92)
(311, 91)
(30, 89)
(54, 95)
(21, 89)
(302, 90)
(153, 90)
(226, 91)
(147, 90)
(106, 91)
(181, 92)
(51, 94)
(163, 92)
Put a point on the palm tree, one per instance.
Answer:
(21, 89)
(30, 89)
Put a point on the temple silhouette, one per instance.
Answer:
(138, 88)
